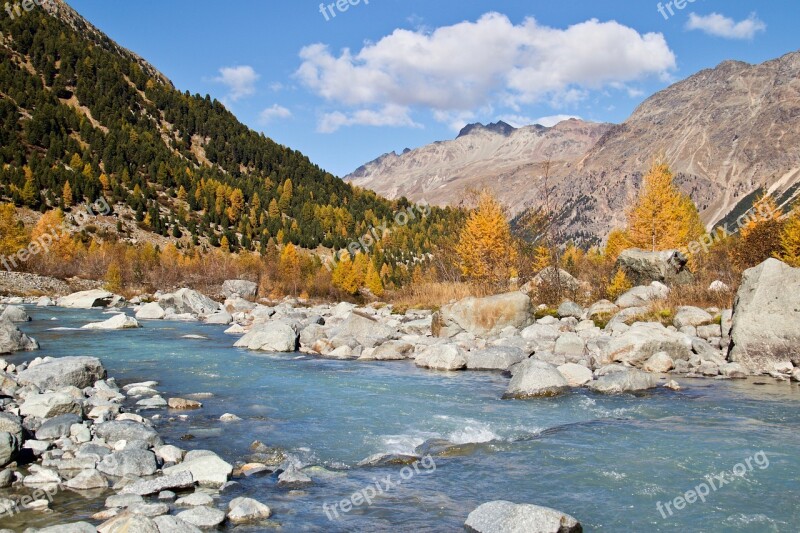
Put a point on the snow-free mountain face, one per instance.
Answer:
(727, 132)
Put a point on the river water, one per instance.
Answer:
(607, 460)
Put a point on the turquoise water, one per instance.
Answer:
(607, 461)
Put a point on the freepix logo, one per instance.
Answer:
(26, 6)
(329, 11)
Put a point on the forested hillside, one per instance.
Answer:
(82, 119)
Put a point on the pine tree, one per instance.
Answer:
(486, 247)
(663, 217)
(66, 195)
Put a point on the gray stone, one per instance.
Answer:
(207, 470)
(202, 517)
(80, 372)
(576, 375)
(446, 357)
(547, 277)
(570, 308)
(13, 340)
(176, 481)
(659, 363)
(241, 287)
(14, 313)
(506, 517)
(129, 522)
(189, 301)
(270, 337)
(87, 299)
(495, 358)
(129, 463)
(630, 380)
(641, 267)
(244, 510)
(391, 351)
(151, 311)
(57, 427)
(292, 478)
(483, 317)
(129, 431)
(11, 424)
(116, 322)
(766, 317)
(171, 524)
(50, 405)
(570, 345)
(642, 341)
(195, 499)
(534, 379)
(222, 318)
(9, 447)
(123, 500)
(691, 316)
(87, 480)
(75, 527)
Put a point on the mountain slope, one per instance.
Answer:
(79, 109)
(726, 132)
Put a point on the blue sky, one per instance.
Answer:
(391, 74)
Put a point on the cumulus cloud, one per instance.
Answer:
(722, 26)
(241, 81)
(274, 112)
(460, 68)
(389, 115)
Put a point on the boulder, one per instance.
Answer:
(601, 309)
(495, 358)
(483, 317)
(57, 427)
(718, 286)
(270, 337)
(128, 522)
(293, 478)
(570, 345)
(11, 424)
(626, 380)
(241, 287)
(642, 341)
(179, 481)
(189, 301)
(766, 317)
(243, 510)
(442, 357)
(119, 321)
(202, 517)
(365, 329)
(13, 340)
(570, 309)
(127, 430)
(80, 372)
(207, 470)
(222, 318)
(49, 405)
(14, 313)
(535, 379)
(87, 480)
(507, 517)
(9, 447)
(171, 524)
(667, 266)
(659, 363)
(151, 311)
(576, 375)
(129, 462)
(391, 351)
(74, 527)
(547, 277)
(182, 404)
(87, 299)
(45, 301)
(691, 316)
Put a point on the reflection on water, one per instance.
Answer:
(605, 460)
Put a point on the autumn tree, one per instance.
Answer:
(67, 196)
(289, 267)
(114, 278)
(663, 218)
(761, 233)
(344, 276)
(790, 239)
(486, 248)
(373, 280)
(13, 236)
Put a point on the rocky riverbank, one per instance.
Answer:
(94, 436)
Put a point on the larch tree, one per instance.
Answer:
(761, 233)
(289, 267)
(663, 217)
(486, 248)
(67, 196)
(790, 239)
(13, 236)
(373, 280)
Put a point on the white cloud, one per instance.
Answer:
(389, 115)
(274, 112)
(470, 65)
(241, 81)
(722, 26)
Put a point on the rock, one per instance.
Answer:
(642, 267)
(712, 331)
(75, 527)
(228, 417)
(177, 481)
(506, 517)
(171, 524)
(535, 379)
(629, 380)
(495, 358)
(42, 476)
(718, 286)
(129, 463)
(483, 317)
(241, 287)
(244, 510)
(365, 329)
(188, 301)
(9, 447)
(183, 405)
(601, 309)
(57, 427)
(576, 375)
(391, 351)
(540, 332)
(80, 372)
(14, 313)
(570, 308)
(45, 301)
(766, 317)
(13, 340)
(6, 478)
(127, 430)
(196, 499)
(570, 345)
(11, 424)
(659, 363)
(691, 316)
(129, 522)
(442, 357)
(270, 337)
(292, 478)
(222, 318)
(156, 402)
(123, 500)
(547, 277)
(120, 321)
(150, 510)
(50, 405)
(202, 517)
(87, 299)
(206, 470)
(151, 311)
(170, 454)
(642, 341)
(87, 480)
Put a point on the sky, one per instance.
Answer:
(345, 86)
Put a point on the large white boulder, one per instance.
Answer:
(241, 287)
(536, 379)
(442, 357)
(270, 337)
(87, 299)
(642, 341)
(507, 517)
(13, 340)
(150, 311)
(119, 321)
(80, 372)
(189, 301)
(766, 317)
(484, 317)
(207, 469)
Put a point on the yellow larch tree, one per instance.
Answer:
(790, 239)
(13, 236)
(486, 248)
(289, 267)
(373, 280)
(67, 195)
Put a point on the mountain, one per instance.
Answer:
(504, 157)
(727, 132)
(85, 119)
